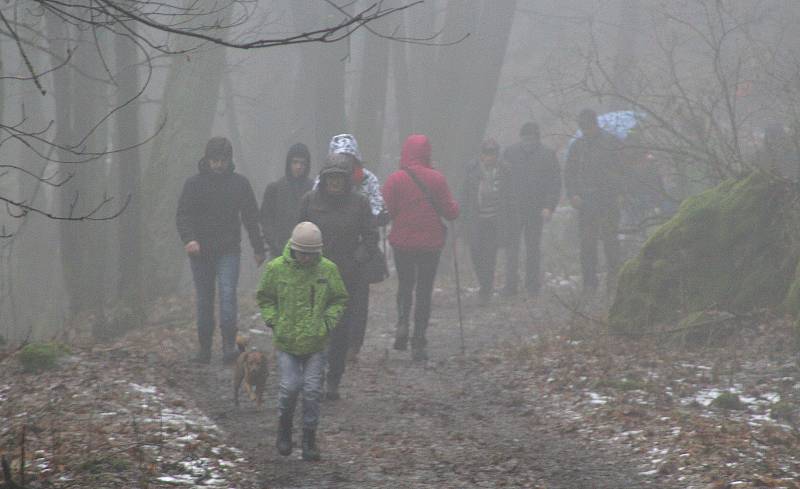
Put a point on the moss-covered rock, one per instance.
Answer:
(728, 248)
(37, 357)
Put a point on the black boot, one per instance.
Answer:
(401, 336)
(310, 450)
(418, 352)
(284, 442)
(203, 355)
(229, 351)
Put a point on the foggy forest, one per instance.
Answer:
(400, 244)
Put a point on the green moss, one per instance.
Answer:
(729, 401)
(727, 248)
(37, 357)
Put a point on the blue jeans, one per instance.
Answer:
(209, 273)
(301, 373)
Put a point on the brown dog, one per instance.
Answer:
(251, 367)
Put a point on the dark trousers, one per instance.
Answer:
(598, 224)
(483, 244)
(340, 336)
(209, 273)
(528, 226)
(415, 270)
(358, 327)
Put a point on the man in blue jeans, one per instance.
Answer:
(211, 210)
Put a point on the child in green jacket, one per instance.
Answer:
(301, 297)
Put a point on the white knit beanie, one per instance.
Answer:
(306, 238)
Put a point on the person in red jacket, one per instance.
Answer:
(417, 198)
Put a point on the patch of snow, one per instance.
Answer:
(143, 389)
(597, 398)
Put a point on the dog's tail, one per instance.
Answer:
(241, 342)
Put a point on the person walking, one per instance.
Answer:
(211, 210)
(367, 183)
(484, 201)
(594, 179)
(350, 238)
(533, 194)
(301, 297)
(417, 197)
(281, 203)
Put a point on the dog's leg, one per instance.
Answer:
(259, 394)
(237, 382)
(250, 392)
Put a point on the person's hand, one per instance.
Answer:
(576, 201)
(259, 257)
(546, 214)
(192, 248)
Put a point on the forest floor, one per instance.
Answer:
(542, 398)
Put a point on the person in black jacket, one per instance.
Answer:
(281, 203)
(594, 180)
(484, 204)
(534, 193)
(211, 210)
(349, 237)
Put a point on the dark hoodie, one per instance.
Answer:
(212, 208)
(280, 206)
(349, 230)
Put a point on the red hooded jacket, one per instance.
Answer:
(415, 223)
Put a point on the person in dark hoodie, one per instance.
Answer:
(211, 210)
(484, 205)
(350, 237)
(534, 193)
(281, 203)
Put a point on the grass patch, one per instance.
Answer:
(37, 357)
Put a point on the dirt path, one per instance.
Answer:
(446, 424)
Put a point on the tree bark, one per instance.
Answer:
(191, 94)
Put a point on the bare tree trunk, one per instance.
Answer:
(129, 170)
(371, 106)
(190, 101)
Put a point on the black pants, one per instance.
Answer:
(358, 327)
(483, 244)
(529, 227)
(598, 224)
(339, 340)
(415, 270)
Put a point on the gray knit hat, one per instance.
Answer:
(306, 238)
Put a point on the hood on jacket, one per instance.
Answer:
(336, 164)
(298, 150)
(345, 144)
(217, 148)
(416, 151)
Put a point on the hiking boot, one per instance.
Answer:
(418, 352)
(310, 450)
(284, 442)
(401, 336)
(229, 353)
(332, 392)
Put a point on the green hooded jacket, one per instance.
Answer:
(301, 303)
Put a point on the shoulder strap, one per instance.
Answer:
(425, 190)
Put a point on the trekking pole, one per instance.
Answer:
(458, 288)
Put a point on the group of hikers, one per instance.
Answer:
(323, 235)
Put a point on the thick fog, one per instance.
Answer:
(106, 112)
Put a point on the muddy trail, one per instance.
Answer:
(442, 424)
